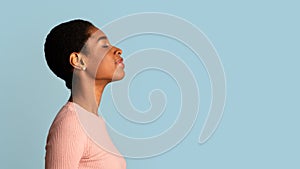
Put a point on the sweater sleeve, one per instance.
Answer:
(65, 142)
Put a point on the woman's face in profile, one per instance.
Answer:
(104, 61)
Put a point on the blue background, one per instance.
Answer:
(258, 44)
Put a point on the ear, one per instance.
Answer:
(76, 60)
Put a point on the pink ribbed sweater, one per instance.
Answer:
(71, 145)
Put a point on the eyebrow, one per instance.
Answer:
(101, 38)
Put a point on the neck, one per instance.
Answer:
(87, 93)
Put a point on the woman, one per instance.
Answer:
(81, 55)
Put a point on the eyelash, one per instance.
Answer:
(105, 46)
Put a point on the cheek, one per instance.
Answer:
(106, 68)
(97, 62)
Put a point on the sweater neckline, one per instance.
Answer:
(81, 109)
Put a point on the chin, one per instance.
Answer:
(118, 76)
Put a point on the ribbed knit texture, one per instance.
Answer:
(70, 147)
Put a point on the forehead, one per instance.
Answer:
(93, 40)
(96, 34)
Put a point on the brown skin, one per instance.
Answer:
(103, 65)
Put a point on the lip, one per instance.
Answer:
(119, 62)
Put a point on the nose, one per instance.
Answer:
(118, 51)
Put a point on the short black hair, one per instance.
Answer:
(64, 39)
